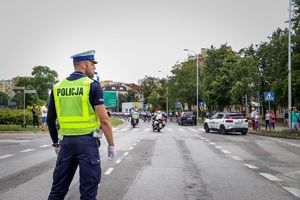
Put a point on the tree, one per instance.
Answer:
(3, 99)
(149, 84)
(43, 79)
(182, 82)
(296, 54)
(131, 96)
(217, 78)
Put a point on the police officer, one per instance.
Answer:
(77, 102)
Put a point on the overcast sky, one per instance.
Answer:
(132, 38)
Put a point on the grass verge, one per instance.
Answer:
(280, 134)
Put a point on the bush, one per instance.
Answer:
(15, 117)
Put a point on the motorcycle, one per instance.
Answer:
(157, 125)
(134, 122)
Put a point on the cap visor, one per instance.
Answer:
(95, 62)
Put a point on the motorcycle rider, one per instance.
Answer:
(158, 115)
(134, 115)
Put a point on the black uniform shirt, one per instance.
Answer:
(95, 98)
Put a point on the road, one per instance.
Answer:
(180, 163)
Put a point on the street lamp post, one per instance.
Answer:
(197, 78)
(289, 66)
(167, 103)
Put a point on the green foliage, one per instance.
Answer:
(15, 117)
(183, 82)
(3, 99)
(43, 79)
(149, 84)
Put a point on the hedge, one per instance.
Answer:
(15, 117)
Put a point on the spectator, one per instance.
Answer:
(267, 120)
(35, 116)
(273, 119)
(44, 116)
(257, 121)
(295, 119)
(253, 118)
(286, 117)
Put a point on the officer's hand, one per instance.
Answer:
(56, 148)
(111, 152)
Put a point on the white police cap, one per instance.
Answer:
(87, 55)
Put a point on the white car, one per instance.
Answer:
(224, 122)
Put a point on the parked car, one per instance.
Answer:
(225, 122)
(187, 118)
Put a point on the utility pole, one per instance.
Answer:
(289, 66)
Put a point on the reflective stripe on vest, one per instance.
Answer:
(74, 111)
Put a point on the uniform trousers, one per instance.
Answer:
(77, 150)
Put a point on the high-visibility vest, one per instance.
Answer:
(135, 115)
(74, 112)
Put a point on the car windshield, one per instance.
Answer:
(235, 116)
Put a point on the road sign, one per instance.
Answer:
(177, 105)
(201, 103)
(30, 91)
(110, 99)
(201, 108)
(269, 96)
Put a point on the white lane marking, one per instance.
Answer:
(270, 177)
(147, 129)
(114, 129)
(45, 145)
(227, 152)
(27, 150)
(181, 129)
(126, 153)
(124, 129)
(292, 190)
(15, 141)
(218, 147)
(250, 166)
(237, 158)
(134, 144)
(207, 140)
(138, 140)
(118, 161)
(108, 171)
(130, 148)
(6, 156)
(212, 143)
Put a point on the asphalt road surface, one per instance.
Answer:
(180, 163)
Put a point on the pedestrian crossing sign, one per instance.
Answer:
(269, 96)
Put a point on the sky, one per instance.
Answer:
(132, 38)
